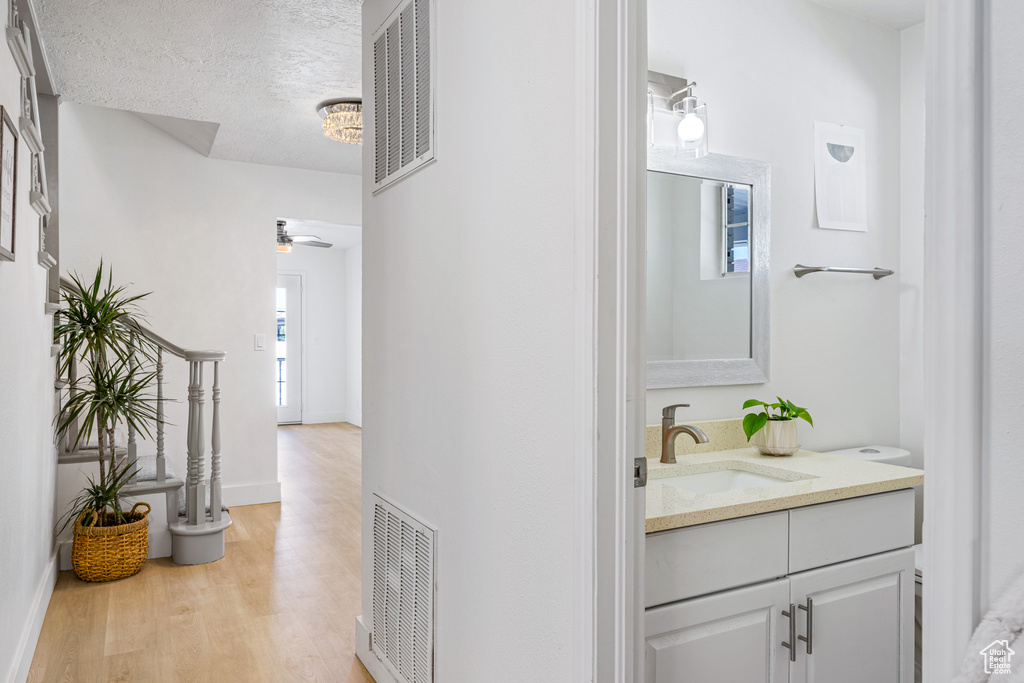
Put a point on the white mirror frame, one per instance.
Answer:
(667, 374)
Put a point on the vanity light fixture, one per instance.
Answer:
(343, 119)
(692, 128)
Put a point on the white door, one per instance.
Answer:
(732, 636)
(288, 344)
(859, 623)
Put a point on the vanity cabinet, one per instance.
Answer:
(851, 620)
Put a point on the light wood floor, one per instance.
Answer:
(279, 607)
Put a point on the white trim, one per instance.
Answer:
(252, 494)
(302, 345)
(378, 672)
(620, 67)
(585, 369)
(953, 333)
(30, 635)
(325, 417)
(355, 418)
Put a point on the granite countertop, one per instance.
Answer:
(811, 478)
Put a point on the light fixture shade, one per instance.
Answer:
(284, 248)
(691, 124)
(343, 120)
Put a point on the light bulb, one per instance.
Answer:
(691, 128)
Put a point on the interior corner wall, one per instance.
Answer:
(911, 270)
(469, 333)
(27, 456)
(354, 333)
(1003, 174)
(200, 234)
(325, 334)
(834, 338)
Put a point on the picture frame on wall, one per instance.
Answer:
(8, 183)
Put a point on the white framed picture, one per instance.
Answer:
(8, 184)
(840, 177)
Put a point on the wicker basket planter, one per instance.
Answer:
(108, 553)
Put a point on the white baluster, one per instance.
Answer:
(190, 477)
(198, 510)
(215, 491)
(161, 461)
(133, 449)
(72, 392)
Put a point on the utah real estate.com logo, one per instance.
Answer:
(997, 657)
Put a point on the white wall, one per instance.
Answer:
(835, 338)
(354, 333)
(27, 457)
(200, 234)
(1003, 503)
(911, 270)
(325, 330)
(468, 338)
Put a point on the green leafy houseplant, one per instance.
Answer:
(114, 371)
(784, 411)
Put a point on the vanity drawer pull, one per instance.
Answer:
(791, 613)
(810, 623)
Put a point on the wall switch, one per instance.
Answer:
(260, 342)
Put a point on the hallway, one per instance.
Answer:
(280, 606)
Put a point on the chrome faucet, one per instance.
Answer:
(670, 430)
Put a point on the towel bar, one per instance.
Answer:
(878, 273)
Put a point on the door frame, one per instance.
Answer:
(302, 346)
(610, 372)
(954, 355)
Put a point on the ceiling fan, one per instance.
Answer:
(285, 241)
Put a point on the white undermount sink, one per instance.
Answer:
(721, 480)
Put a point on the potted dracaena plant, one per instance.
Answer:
(773, 429)
(112, 368)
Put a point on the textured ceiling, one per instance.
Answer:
(256, 67)
(897, 14)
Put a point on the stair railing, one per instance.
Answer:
(196, 484)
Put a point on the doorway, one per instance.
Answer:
(288, 345)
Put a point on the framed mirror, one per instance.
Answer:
(708, 245)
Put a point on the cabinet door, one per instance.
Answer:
(730, 636)
(861, 620)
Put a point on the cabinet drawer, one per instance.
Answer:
(684, 563)
(824, 534)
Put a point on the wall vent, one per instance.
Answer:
(402, 634)
(403, 92)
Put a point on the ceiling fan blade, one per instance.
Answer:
(305, 238)
(325, 245)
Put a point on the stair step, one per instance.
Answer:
(146, 468)
(144, 487)
(183, 528)
(84, 455)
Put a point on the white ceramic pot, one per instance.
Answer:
(777, 437)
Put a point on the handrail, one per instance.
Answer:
(163, 342)
(878, 273)
(196, 484)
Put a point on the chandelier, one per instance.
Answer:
(343, 119)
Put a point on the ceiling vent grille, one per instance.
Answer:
(402, 636)
(403, 91)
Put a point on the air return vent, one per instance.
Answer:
(403, 92)
(402, 636)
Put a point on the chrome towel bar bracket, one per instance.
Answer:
(877, 273)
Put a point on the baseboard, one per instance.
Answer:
(321, 418)
(252, 494)
(355, 419)
(378, 672)
(30, 638)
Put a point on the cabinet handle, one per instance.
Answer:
(792, 631)
(810, 623)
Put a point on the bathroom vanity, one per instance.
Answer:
(779, 569)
